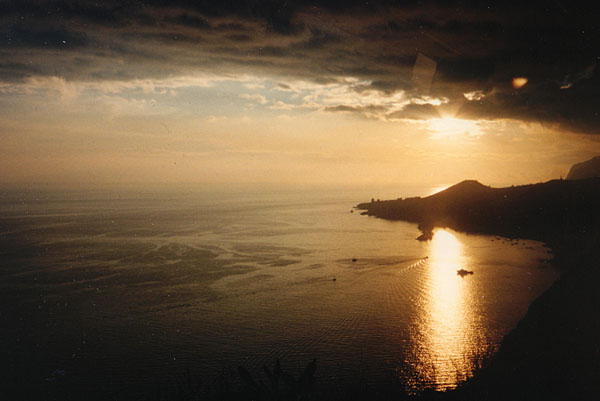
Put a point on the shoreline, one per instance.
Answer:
(554, 351)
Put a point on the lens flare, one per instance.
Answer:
(519, 82)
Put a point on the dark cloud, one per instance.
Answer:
(574, 107)
(10, 71)
(239, 38)
(191, 21)
(356, 109)
(415, 112)
(22, 36)
(168, 37)
(319, 39)
(270, 51)
(277, 15)
(283, 86)
(458, 68)
(232, 27)
(411, 111)
(477, 47)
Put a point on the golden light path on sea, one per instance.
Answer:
(449, 338)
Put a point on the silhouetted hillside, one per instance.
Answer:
(557, 210)
(587, 169)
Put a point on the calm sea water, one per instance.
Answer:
(116, 296)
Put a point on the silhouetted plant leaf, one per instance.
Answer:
(247, 377)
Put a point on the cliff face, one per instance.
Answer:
(586, 169)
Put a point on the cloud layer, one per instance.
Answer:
(367, 49)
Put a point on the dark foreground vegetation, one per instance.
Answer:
(280, 383)
(554, 352)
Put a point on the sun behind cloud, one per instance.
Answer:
(450, 126)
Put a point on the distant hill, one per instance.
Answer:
(547, 211)
(586, 169)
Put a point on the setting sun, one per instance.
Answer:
(450, 126)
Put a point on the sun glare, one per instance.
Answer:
(437, 189)
(450, 126)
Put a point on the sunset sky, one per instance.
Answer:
(144, 93)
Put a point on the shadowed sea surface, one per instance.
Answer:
(118, 296)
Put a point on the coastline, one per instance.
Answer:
(554, 352)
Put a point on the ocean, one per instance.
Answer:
(121, 295)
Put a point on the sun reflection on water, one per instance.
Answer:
(448, 337)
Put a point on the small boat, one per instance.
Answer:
(463, 272)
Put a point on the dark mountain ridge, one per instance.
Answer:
(587, 169)
(547, 211)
